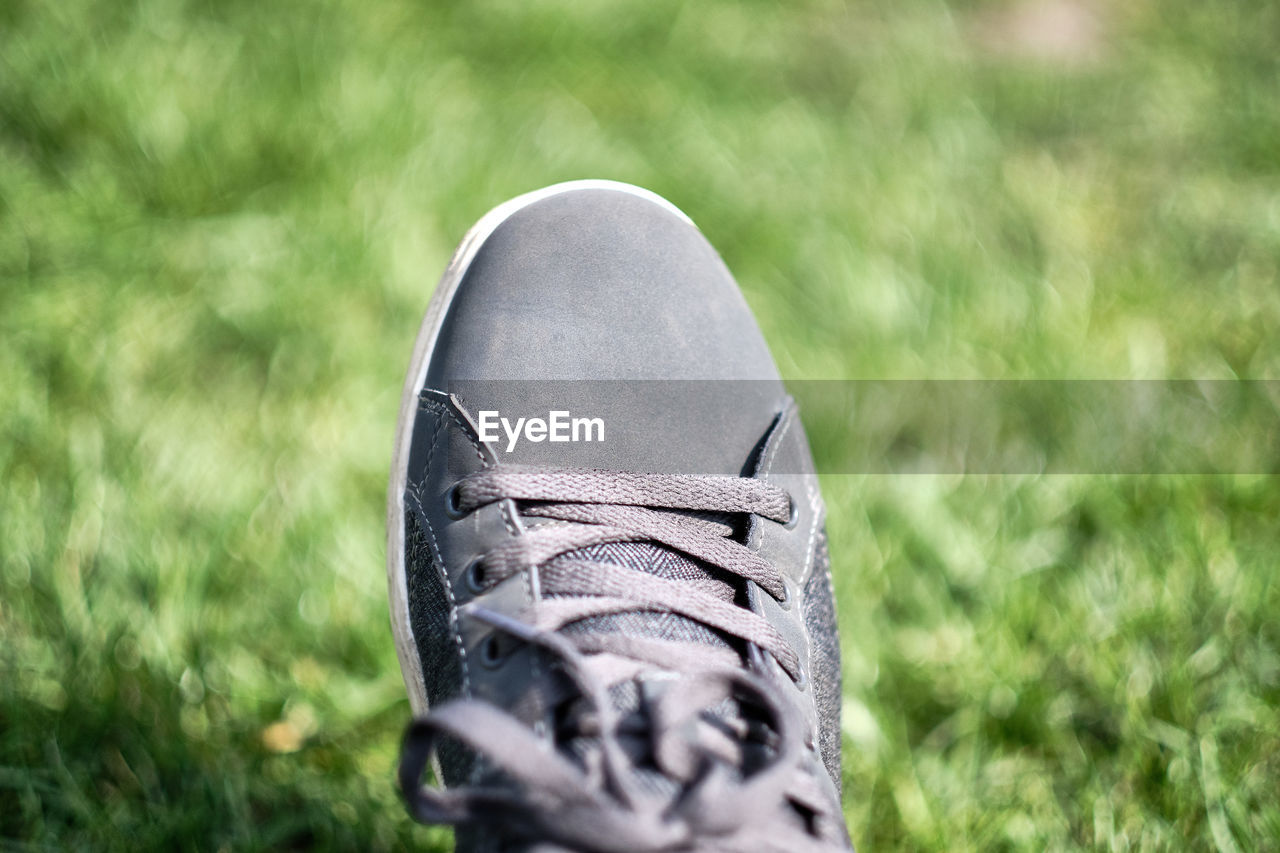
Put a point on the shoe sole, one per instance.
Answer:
(437, 310)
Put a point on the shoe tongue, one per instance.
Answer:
(627, 698)
(665, 563)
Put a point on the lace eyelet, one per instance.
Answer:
(791, 522)
(453, 502)
(785, 601)
(473, 577)
(801, 680)
(491, 656)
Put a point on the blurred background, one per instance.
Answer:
(220, 223)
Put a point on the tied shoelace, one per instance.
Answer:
(739, 778)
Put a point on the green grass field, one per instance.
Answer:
(220, 223)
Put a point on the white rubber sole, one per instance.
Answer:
(437, 309)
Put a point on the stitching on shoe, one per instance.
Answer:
(831, 586)
(535, 670)
(506, 519)
(443, 567)
(813, 529)
(777, 442)
(457, 419)
(437, 406)
(810, 491)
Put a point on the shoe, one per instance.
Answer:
(625, 642)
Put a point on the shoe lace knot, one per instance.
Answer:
(726, 742)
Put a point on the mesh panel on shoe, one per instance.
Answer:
(665, 563)
(430, 617)
(824, 646)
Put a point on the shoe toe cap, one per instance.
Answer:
(598, 284)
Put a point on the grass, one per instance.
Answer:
(220, 223)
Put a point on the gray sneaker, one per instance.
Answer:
(609, 579)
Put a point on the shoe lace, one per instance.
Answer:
(741, 781)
